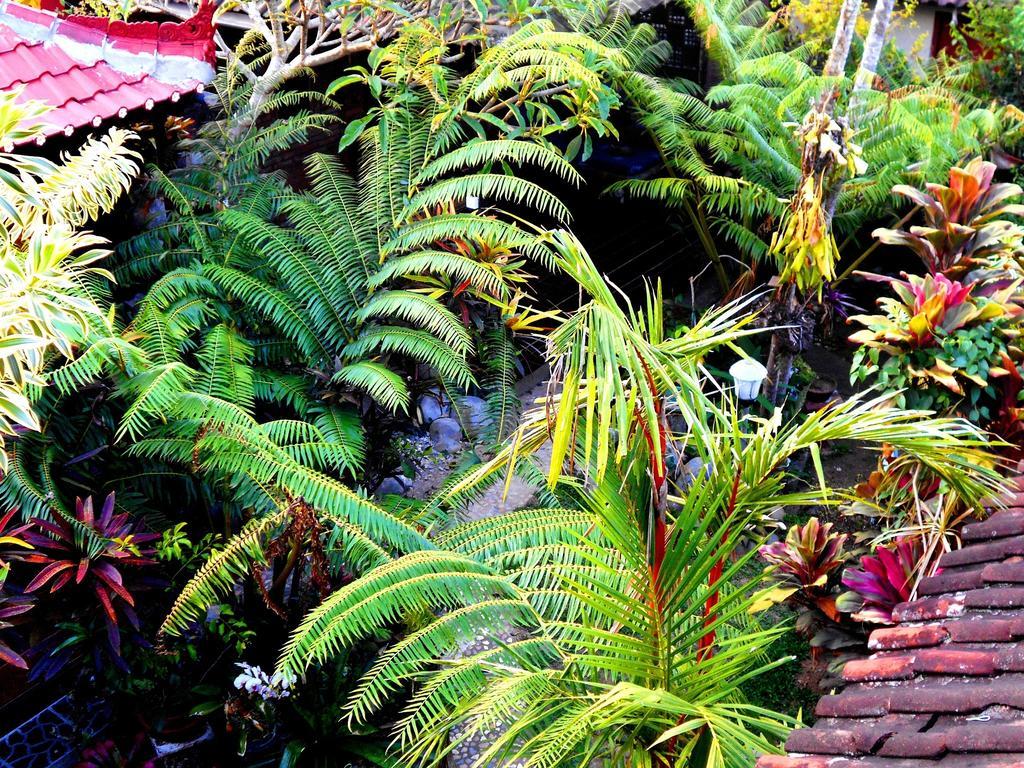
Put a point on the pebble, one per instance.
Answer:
(390, 486)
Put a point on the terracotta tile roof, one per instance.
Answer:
(90, 69)
(944, 688)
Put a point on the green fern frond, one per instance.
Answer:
(225, 362)
(491, 186)
(416, 344)
(414, 583)
(497, 152)
(382, 384)
(153, 395)
(423, 311)
(454, 266)
(404, 660)
(214, 581)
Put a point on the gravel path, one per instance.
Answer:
(492, 503)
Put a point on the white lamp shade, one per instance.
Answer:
(748, 375)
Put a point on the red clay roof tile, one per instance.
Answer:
(1004, 573)
(90, 69)
(781, 761)
(1008, 522)
(995, 597)
(945, 661)
(835, 741)
(914, 744)
(986, 552)
(953, 581)
(986, 737)
(929, 608)
(879, 668)
(1010, 659)
(896, 638)
(944, 694)
(984, 630)
(853, 704)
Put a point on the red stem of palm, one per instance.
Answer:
(705, 646)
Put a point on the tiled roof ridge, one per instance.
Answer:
(944, 687)
(191, 38)
(91, 69)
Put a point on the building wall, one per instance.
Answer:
(913, 36)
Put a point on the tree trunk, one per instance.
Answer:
(840, 51)
(874, 43)
(700, 225)
(786, 342)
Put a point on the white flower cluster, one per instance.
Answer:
(829, 146)
(268, 687)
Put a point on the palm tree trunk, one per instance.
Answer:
(695, 211)
(658, 522)
(842, 39)
(874, 43)
(785, 342)
(706, 645)
(786, 308)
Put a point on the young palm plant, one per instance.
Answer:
(627, 634)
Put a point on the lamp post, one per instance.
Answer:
(748, 375)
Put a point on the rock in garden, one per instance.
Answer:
(446, 435)
(390, 486)
(472, 412)
(433, 404)
(690, 470)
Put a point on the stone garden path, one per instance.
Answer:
(495, 502)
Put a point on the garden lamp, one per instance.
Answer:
(748, 375)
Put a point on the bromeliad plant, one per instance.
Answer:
(1008, 421)
(834, 601)
(92, 554)
(967, 226)
(805, 561)
(938, 344)
(11, 537)
(806, 568)
(884, 580)
(11, 606)
(12, 546)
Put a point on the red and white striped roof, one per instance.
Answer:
(91, 69)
